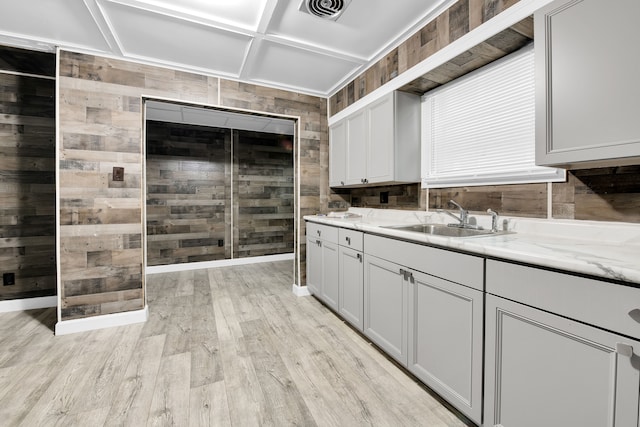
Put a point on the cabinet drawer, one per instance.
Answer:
(321, 231)
(350, 239)
(465, 269)
(603, 304)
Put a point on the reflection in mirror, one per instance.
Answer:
(219, 185)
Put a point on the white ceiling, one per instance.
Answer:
(268, 42)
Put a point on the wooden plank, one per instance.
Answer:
(132, 401)
(209, 406)
(170, 403)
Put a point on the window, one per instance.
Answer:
(480, 128)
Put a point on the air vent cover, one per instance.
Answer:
(325, 9)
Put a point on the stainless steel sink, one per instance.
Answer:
(445, 230)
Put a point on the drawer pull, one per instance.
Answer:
(318, 233)
(624, 349)
(359, 256)
(319, 242)
(348, 239)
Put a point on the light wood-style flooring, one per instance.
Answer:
(226, 346)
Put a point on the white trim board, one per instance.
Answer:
(300, 291)
(100, 322)
(158, 269)
(28, 304)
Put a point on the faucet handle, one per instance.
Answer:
(494, 220)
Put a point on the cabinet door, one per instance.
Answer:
(545, 370)
(445, 340)
(587, 91)
(385, 306)
(337, 154)
(314, 265)
(356, 170)
(351, 270)
(380, 151)
(330, 289)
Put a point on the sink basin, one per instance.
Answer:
(445, 230)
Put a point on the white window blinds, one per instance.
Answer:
(480, 129)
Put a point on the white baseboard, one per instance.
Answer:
(100, 322)
(157, 269)
(28, 304)
(300, 291)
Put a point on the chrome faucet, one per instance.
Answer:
(494, 220)
(463, 219)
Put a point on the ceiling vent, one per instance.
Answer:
(325, 9)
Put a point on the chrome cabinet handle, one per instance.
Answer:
(624, 349)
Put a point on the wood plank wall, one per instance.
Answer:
(188, 193)
(462, 17)
(189, 203)
(27, 175)
(100, 104)
(311, 148)
(265, 207)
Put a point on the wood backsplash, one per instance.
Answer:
(603, 194)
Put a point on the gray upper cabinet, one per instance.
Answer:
(338, 154)
(378, 144)
(355, 162)
(587, 91)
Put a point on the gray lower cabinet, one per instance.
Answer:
(351, 271)
(386, 289)
(314, 265)
(330, 293)
(426, 321)
(445, 340)
(546, 370)
(322, 263)
(561, 350)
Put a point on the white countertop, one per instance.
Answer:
(602, 249)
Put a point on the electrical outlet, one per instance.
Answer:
(8, 279)
(384, 197)
(118, 174)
